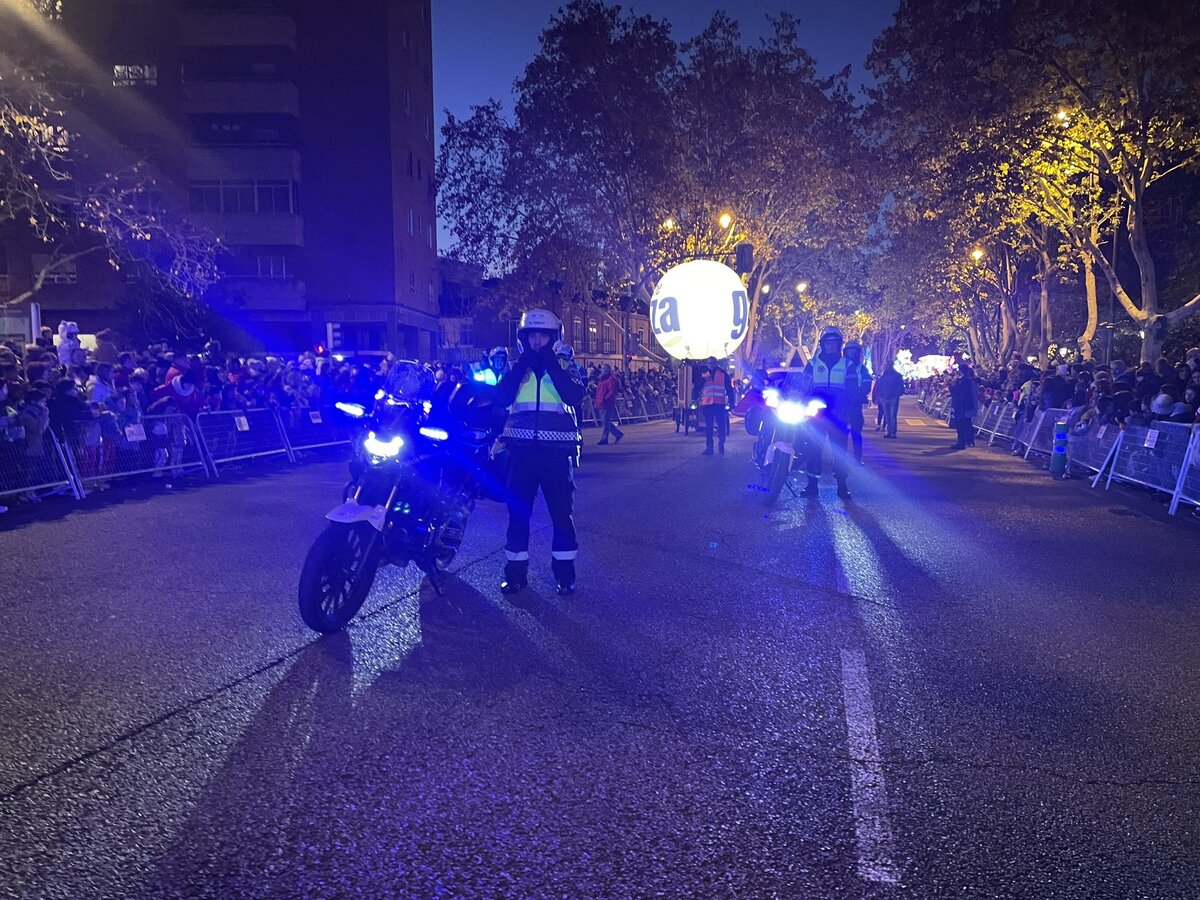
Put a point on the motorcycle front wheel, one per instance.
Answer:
(337, 575)
(781, 467)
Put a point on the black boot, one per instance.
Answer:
(564, 576)
(843, 489)
(811, 489)
(516, 576)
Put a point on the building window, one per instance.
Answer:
(265, 197)
(432, 296)
(274, 196)
(466, 333)
(63, 273)
(609, 346)
(429, 235)
(592, 340)
(272, 266)
(577, 331)
(412, 280)
(407, 102)
(412, 222)
(237, 196)
(131, 76)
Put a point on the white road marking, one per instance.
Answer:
(915, 422)
(872, 824)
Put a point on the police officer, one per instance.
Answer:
(859, 387)
(835, 380)
(542, 435)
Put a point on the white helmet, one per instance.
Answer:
(564, 350)
(539, 320)
(831, 332)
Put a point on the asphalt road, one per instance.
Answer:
(969, 681)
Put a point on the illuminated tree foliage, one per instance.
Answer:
(1034, 126)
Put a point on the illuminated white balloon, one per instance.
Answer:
(700, 309)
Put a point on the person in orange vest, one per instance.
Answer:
(715, 398)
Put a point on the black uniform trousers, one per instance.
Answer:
(824, 427)
(715, 415)
(551, 468)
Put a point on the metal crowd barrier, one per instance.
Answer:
(989, 421)
(1187, 489)
(237, 434)
(310, 429)
(159, 445)
(1041, 438)
(1152, 456)
(1090, 446)
(36, 467)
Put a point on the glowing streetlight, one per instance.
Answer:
(977, 254)
(725, 221)
(1063, 116)
(801, 287)
(669, 224)
(766, 289)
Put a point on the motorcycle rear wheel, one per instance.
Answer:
(337, 575)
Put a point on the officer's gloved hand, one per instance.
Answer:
(547, 355)
(529, 357)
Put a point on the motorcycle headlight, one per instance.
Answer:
(435, 434)
(381, 450)
(790, 412)
(354, 410)
(771, 397)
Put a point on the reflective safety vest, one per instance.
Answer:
(713, 393)
(826, 377)
(539, 414)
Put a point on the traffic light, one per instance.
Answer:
(744, 258)
(333, 335)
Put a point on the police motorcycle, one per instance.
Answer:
(416, 472)
(783, 436)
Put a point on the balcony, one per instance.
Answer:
(236, 28)
(251, 228)
(284, 294)
(242, 98)
(248, 163)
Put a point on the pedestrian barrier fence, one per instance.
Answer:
(109, 447)
(236, 434)
(1152, 456)
(35, 467)
(1090, 446)
(1040, 438)
(310, 429)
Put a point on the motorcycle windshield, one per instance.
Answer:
(408, 381)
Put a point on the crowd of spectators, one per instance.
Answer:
(90, 399)
(1114, 394)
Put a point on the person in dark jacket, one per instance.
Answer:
(541, 392)
(964, 405)
(888, 391)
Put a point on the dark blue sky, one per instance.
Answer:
(481, 46)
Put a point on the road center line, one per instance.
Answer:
(872, 825)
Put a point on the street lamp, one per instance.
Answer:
(726, 220)
(801, 287)
(766, 289)
(977, 254)
(669, 224)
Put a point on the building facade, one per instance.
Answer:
(300, 133)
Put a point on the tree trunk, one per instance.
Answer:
(1046, 322)
(1089, 284)
(1147, 274)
